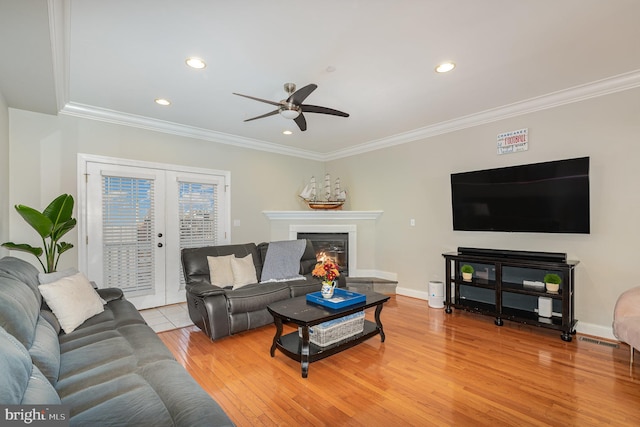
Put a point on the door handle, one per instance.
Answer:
(159, 234)
(160, 245)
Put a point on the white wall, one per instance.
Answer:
(407, 181)
(4, 175)
(412, 181)
(46, 147)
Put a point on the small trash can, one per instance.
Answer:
(436, 294)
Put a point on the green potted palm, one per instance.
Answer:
(467, 272)
(552, 282)
(51, 224)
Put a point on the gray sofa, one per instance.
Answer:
(111, 371)
(223, 311)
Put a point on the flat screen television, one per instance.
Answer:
(549, 197)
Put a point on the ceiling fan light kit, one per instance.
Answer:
(293, 107)
(290, 111)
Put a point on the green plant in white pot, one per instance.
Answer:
(552, 282)
(467, 272)
(51, 224)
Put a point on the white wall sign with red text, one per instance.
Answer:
(513, 141)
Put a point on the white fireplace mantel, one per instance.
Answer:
(360, 225)
(328, 214)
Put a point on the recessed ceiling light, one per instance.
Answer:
(287, 132)
(195, 62)
(445, 67)
(162, 101)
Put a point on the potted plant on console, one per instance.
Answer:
(552, 282)
(467, 272)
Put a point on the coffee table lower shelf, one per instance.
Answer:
(305, 315)
(291, 344)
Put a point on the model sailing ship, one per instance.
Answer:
(333, 200)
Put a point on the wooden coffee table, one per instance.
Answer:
(306, 314)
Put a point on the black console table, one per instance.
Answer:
(503, 286)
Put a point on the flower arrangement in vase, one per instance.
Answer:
(327, 271)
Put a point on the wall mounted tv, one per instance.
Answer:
(549, 197)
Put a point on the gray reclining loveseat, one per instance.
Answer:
(223, 311)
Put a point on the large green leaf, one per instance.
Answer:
(41, 223)
(62, 229)
(23, 247)
(63, 247)
(60, 209)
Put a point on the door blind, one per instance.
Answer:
(128, 234)
(198, 216)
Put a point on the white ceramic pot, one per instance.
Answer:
(467, 276)
(552, 287)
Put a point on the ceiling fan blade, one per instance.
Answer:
(272, 113)
(258, 99)
(322, 110)
(301, 122)
(301, 94)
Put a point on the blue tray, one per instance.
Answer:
(340, 299)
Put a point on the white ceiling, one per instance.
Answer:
(110, 59)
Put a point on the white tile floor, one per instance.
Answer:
(167, 317)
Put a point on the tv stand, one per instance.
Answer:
(504, 286)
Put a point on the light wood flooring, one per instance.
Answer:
(433, 369)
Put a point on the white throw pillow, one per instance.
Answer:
(220, 273)
(45, 278)
(72, 299)
(244, 271)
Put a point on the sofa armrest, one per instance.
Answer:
(208, 309)
(110, 294)
(204, 289)
(628, 304)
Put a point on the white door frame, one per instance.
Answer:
(82, 214)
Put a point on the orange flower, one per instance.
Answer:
(327, 271)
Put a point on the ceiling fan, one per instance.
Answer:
(292, 107)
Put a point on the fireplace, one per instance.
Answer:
(330, 246)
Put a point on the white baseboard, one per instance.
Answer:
(412, 293)
(582, 327)
(596, 330)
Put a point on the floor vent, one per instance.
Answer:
(595, 341)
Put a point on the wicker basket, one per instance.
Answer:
(331, 332)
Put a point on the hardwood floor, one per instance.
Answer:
(433, 369)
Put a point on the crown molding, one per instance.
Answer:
(595, 89)
(125, 119)
(59, 19)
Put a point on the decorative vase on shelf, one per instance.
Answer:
(552, 287)
(327, 289)
(467, 276)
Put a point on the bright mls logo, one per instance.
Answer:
(36, 415)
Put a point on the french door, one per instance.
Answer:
(138, 218)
